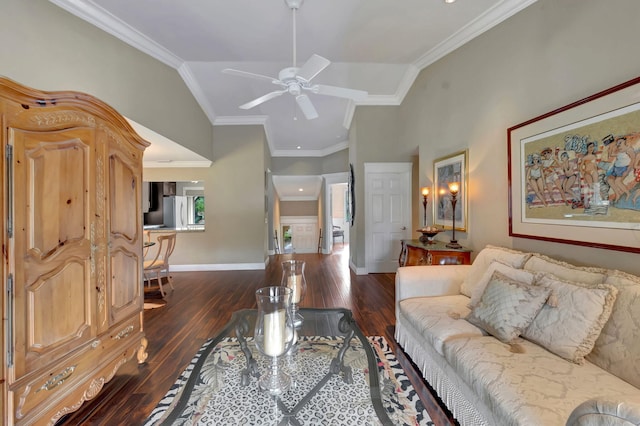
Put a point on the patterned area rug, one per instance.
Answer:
(217, 398)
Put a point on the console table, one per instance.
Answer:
(415, 252)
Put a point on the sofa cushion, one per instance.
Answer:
(571, 326)
(618, 347)
(531, 388)
(513, 258)
(438, 319)
(565, 271)
(515, 274)
(507, 307)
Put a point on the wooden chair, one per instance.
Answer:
(158, 267)
(338, 232)
(146, 242)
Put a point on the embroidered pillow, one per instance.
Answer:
(565, 271)
(513, 258)
(572, 325)
(520, 275)
(617, 349)
(507, 307)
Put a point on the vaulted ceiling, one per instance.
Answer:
(377, 46)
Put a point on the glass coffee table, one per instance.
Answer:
(335, 376)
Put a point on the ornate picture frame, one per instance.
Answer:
(574, 173)
(452, 168)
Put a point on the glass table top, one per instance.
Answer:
(334, 372)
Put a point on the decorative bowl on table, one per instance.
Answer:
(428, 233)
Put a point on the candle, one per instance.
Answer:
(295, 284)
(274, 336)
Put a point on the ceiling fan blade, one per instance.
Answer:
(341, 92)
(262, 99)
(239, 73)
(306, 107)
(312, 67)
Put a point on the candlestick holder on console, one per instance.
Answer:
(428, 232)
(454, 187)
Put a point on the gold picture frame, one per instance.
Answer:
(452, 168)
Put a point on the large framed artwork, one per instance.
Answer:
(452, 168)
(574, 173)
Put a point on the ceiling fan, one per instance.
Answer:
(297, 81)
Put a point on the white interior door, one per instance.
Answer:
(387, 213)
(304, 232)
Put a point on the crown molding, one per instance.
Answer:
(311, 153)
(263, 120)
(482, 23)
(348, 115)
(196, 90)
(241, 120)
(95, 15)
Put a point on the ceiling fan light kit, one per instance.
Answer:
(294, 4)
(295, 80)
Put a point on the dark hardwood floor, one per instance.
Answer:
(202, 303)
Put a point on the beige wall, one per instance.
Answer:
(47, 48)
(547, 56)
(375, 137)
(235, 227)
(305, 166)
(299, 208)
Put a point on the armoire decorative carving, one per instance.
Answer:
(72, 296)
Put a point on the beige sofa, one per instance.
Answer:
(567, 351)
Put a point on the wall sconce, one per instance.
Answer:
(454, 187)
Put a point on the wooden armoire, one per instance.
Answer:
(72, 298)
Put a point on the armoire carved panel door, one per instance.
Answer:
(52, 241)
(125, 185)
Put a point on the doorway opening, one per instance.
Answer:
(339, 214)
(287, 242)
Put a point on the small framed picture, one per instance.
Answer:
(446, 170)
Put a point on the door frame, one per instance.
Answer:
(330, 179)
(405, 169)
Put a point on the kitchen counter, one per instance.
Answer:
(162, 228)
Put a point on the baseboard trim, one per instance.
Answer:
(358, 271)
(219, 267)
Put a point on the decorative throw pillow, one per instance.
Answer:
(617, 349)
(520, 275)
(571, 326)
(565, 271)
(515, 259)
(507, 307)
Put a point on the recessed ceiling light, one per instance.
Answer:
(298, 147)
(449, 1)
(300, 189)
